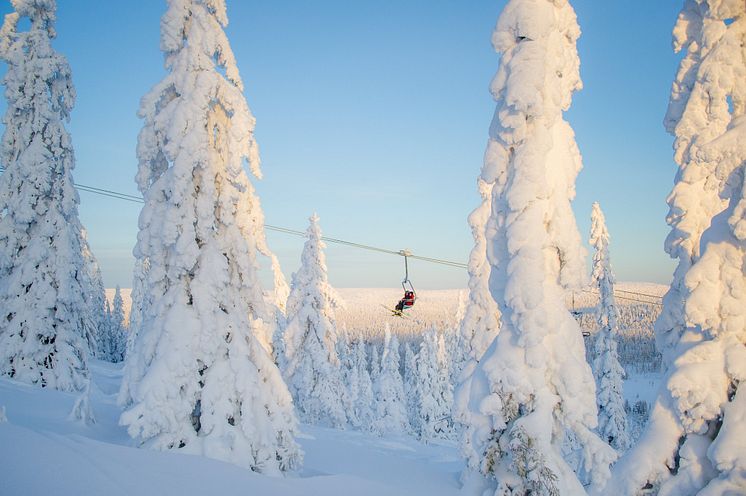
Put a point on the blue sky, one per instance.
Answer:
(375, 116)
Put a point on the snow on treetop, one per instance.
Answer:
(207, 41)
(28, 7)
(537, 64)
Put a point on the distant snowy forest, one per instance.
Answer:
(359, 319)
(539, 379)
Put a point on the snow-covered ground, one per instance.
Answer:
(42, 452)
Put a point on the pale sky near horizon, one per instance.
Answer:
(375, 116)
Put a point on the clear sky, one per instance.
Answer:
(375, 116)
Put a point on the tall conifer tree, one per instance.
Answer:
(694, 440)
(49, 283)
(530, 402)
(201, 379)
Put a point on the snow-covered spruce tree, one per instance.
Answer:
(411, 385)
(48, 328)
(346, 354)
(694, 441)
(453, 344)
(532, 391)
(612, 418)
(312, 371)
(118, 327)
(375, 363)
(104, 332)
(82, 410)
(201, 379)
(698, 112)
(278, 343)
(391, 411)
(132, 366)
(137, 301)
(112, 339)
(461, 306)
(446, 429)
(95, 296)
(362, 400)
(434, 391)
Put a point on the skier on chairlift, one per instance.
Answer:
(410, 296)
(407, 302)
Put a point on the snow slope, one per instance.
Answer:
(41, 452)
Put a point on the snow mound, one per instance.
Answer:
(42, 452)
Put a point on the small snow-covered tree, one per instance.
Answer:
(278, 344)
(137, 301)
(460, 307)
(454, 344)
(612, 418)
(112, 338)
(411, 387)
(532, 393)
(200, 377)
(118, 326)
(360, 388)
(82, 411)
(104, 332)
(446, 429)
(694, 440)
(95, 296)
(312, 369)
(391, 411)
(346, 354)
(47, 283)
(434, 390)
(132, 366)
(375, 363)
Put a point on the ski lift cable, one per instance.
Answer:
(400, 253)
(110, 195)
(136, 199)
(626, 297)
(640, 300)
(647, 302)
(658, 297)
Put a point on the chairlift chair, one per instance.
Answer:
(410, 295)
